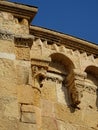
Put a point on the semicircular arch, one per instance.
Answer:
(59, 60)
(91, 85)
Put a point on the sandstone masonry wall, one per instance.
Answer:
(48, 80)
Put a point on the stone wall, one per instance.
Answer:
(45, 83)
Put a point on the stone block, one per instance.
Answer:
(6, 123)
(60, 111)
(89, 117)
(62, 94)
(69, 126)
(37, 97)
(48, 91)
(27, 126)
(61, 125)
(22, 53)
(47, 108)
(11, 109)
(66, 114)
(33, 109)
(28, 95)
(28, 117)
(7, 46)
(25, 94)
(49, 123)
(27, 108)
(7, 69)
(22, 74)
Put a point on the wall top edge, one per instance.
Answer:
(19, 10)
(68, 41)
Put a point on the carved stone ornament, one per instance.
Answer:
(6, 36)
(76, 95)
(25, 41)
(39, 74)
(76, 89)
(55, 77)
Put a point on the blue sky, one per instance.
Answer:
(78, 18)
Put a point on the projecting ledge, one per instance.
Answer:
(19, 10)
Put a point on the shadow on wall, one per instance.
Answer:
(92, 77)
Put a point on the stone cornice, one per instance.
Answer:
(20, 40)
(67, 40)
(18, 10)
(23, 40)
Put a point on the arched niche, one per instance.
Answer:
(91, 87)
(59, 69)
(61, 63)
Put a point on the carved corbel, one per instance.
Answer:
(76, 93)
(76, 88)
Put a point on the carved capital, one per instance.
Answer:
(38, 71)
(39, 75)
(90, 89)
(55, 77)
(79, 74)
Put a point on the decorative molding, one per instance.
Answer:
(23, 41)
(40, 63)
(55, 77)
(41, 45)
(65, 40)
(76, 87)
(90, 88)
(19, 10)
(39, 75)
(4, 35)
(38, 71)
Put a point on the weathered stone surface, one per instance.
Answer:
(48, 80)
(27, 108)
(7, 46)
(22, 74)
(6, 123)
(28, 95)
(49, 123)
(33, 109)
(65, 126)
(26, 126)
(11, 109)
(47, 108)
(49, 91)
(25, 94)
(65, 114)
(8, 22)
(22, 53)
(62, 94)
(28, 117)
